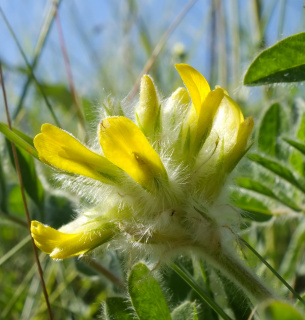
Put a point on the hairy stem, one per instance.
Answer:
(237, 271)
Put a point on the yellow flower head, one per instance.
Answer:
(155, 181)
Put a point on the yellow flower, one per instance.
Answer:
(61, 245)
(153, 182)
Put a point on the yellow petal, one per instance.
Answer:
(125, 145)
(227, 122)
(61, 150)
(195, 83)
(240, 146)
(61, 245)
(206, 116)
(148, 109)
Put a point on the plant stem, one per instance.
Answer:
(234, 268)
(238, 272)
(27, 214)
(295, 293)
(110, 276)
(76, 100)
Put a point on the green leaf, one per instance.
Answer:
(15, 204)
(293, 253)
(59, 93)
(258, 187)
(117, 308)
(204, 295)
(237, 300)
(273, 124)
(186, 311)
(301, 128)
(3, 188)
(250, 184)
(59, 211)
(146, 295)
(275, 273)
(254, 209)
(20, 139)
(204, 276)
(278, 310)
(297, 159)
(176, 285)
(298, 145)
(30, 179)
(276, 168)
(283, 62)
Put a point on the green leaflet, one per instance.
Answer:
(29, 176)
(186, 311)
(255, 186)
(175, 284)
(287, 285)
(297, 158)
(260, 188)
(203, 293)
(58, 210)
(254, 208)
(237, 300)
(283, 62)
(293, 254)
(117, 308)
(276, 168)
(273, 125)
(278, 310)
(278, 164)
(146, 295)
(14, 201)
(298, 145)
(20, 139)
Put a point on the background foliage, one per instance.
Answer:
(108, 45)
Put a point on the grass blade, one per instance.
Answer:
(15, 249)
(20, 139)
(190, 281)
(45, 30)
(49, 106)
(24, 199)
(286, 284)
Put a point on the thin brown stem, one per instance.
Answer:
(39, 86)
(68, 70)
(44, 33)
(14, 219)
(158, 48)
(104, 272)
(24, 198)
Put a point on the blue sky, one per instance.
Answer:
(94, 37)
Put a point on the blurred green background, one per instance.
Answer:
(108, 44)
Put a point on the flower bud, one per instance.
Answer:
(148, 109)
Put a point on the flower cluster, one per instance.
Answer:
(156, 181)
